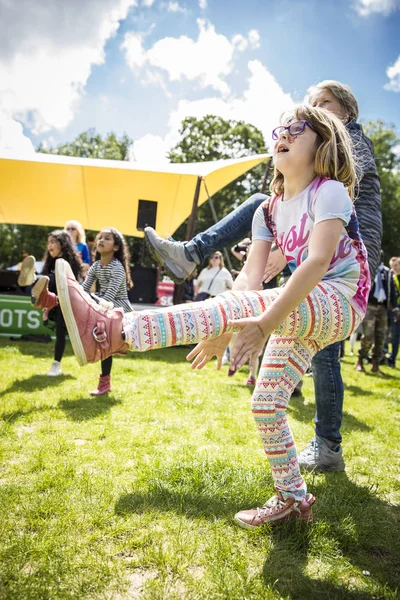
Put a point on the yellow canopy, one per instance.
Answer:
(44, 189)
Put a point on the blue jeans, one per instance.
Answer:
(329, 393)
(395, 339)
(328, 383)
(227, 232)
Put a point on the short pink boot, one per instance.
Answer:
(103, 387)
(40, 295)
(95, 331)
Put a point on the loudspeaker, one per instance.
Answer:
(8, 281)
(144, 285)
(147, 214)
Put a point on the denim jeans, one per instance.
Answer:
(329, 393)
(227, 232)
(395, 339)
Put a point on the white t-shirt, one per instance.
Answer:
(290, 224)
(221, 281)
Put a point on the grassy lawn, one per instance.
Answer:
(133, 495)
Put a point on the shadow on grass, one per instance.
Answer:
(13, 416)
(88, 407)
(357, 524)
(357, 390)
(35, 382)
(350, 521)
(305, 413)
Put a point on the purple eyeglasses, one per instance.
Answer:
(294, 129)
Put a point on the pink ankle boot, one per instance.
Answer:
(103, 387)
(40, 295)
(95, 332)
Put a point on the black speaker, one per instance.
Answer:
(147, 214)
(144, 285)
(8, 281)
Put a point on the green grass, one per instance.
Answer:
(133, 495)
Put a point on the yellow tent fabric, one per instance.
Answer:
(43, 189)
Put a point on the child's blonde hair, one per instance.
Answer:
(342, 92)
(81, 232)
(334, 157)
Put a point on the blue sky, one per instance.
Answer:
(140, 66)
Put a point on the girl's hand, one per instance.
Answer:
(276, 262)
(250, 341)
(205, 351)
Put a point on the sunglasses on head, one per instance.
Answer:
(294, 129)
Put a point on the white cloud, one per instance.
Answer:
(261, 105)
(240, 42)
(12, 136)
(151, 148)
(175, 7)
(48, 51)
(365, 8)
(135, 54)
(203, 4)
(393, 73)
(208, 60)
(147, 3)
(254, 38)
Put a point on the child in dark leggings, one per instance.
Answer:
(59, 245)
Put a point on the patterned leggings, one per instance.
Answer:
(324, 317)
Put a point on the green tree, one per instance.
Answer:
(385, 141)
(90, 144)
(14, 238)
(214, 138)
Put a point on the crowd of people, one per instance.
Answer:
(321, 227)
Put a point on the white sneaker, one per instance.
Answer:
(27, 275)
(55, 369)
(225, 360)
(171, 255)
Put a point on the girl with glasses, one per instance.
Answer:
(324, 451)
(310, 217)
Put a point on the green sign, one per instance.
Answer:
(18, 317)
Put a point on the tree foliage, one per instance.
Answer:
(385, 142)
(90, 144)
(213, 138)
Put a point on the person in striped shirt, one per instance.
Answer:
(111, 273)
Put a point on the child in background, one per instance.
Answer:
(311, 218)
(112, 272)
(78, 236)
(59, 245)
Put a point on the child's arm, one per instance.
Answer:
(276, 264)
(90, 279)
(255, 330)
(251, 276)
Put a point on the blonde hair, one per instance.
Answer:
(221, 264)
(81, 232)
(342, 92)
(334, 157)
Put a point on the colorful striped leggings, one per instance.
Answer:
(324, 317)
